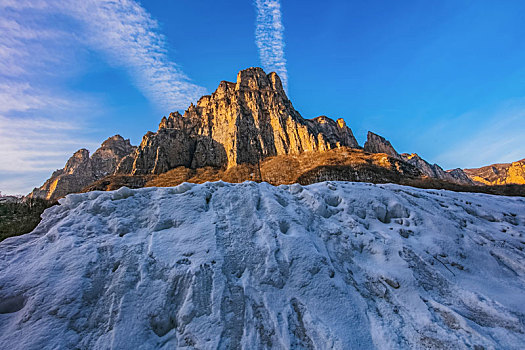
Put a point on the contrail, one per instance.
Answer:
(269, 37)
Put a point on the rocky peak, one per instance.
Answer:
(117, 144)
(322, 119)
(106, 159)
(240, 122)
(430, 170)
(378, 144)
(255, 78)
(460, 176)
(82, 170)
(78, 162)
(435, 171)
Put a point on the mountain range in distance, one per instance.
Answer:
(249, 130)
(499, 174)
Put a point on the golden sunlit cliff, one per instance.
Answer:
(499, 174)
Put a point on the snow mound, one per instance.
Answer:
(331, 265)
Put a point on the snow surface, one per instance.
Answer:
(331, 265)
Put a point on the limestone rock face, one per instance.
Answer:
(499, 174)
(170, 148)
(239, 125)
(241, 122)
(106, 159)
(78, 163)
(82, 170)
(378, 144)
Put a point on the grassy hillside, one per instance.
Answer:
(343, 164)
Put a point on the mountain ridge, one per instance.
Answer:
(241, 123)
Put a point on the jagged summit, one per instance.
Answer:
(378, 144)
(254, 78)
(242, 122)
(435, 171)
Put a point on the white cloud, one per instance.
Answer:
(123, 31)
(269, 37)
(129, 37)
(41, 121)
(37, 144)
(31, 148)
(20, 184)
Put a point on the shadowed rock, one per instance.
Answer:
(378, 144)
(435, 171)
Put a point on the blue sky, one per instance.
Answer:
(445, 79)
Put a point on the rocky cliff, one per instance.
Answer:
(378, 144)
(435, 171)
(82, 170)
(242, 122)
(499, 174)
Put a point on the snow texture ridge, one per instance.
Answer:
(225, 266)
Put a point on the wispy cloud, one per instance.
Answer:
(123, 31)
(33, 147)
(269, 37)
(43, 144)
(41, 47)
(128, 36)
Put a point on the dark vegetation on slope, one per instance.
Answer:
(20, 217)
(342, 164)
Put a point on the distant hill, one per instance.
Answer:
(499, 174)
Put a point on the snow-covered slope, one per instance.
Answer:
(330, 265)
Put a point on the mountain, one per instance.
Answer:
(81, 170)
(240, 125)
(244, 266)
(378, 144)
(240, 122)
(435, 171)
(499, 174)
